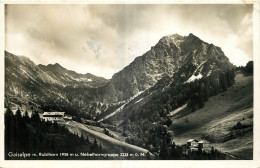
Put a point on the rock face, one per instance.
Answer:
(51, 74)
(71, 78)
(48, 85)
(188, 56)
(168, 56)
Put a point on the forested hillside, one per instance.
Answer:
(31, 135)
(146, 123)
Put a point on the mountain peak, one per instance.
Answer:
(176, 36)
(20, 58)
(177, 39)
(171, 37)
(172, 54)
(192, 36)
(55, 65)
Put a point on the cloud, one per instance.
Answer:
(102, 39)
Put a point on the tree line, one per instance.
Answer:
(31, 135)
(201, 90)
(147, 124)
(176, 152)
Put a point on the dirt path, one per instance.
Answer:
(117, 135)
(112, 141)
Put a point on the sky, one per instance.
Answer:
(102, 39)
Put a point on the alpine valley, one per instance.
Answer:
(182, 88)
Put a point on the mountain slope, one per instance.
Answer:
(175, 59)
(184, 58)
(71, 78)
(172, 83)
(171, 53)
(45, 85)
(198, 73)
(217, 119)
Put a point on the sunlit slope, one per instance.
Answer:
(217, 120)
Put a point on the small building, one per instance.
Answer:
(192, 143)
(203, 144)
(67, 117)
(53, 116)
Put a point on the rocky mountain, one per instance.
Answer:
(167, 92)
(50, 74)
(167, 57)
(187, 72)
(44, 85)
(71, 78)
(183, 58)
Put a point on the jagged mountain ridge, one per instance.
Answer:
(187, 56)
(44, 85)
(70, 78)
(171, 53)
(52, 73)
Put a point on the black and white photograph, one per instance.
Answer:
(129, 81)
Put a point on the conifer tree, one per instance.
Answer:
(250, 67)
(228, 78)
(8, 114)
(223, 82)
(201, 96)
(100, 147)
(18, 114)
(26, 116)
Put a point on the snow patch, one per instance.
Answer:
(193, 78)
(90, 80)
